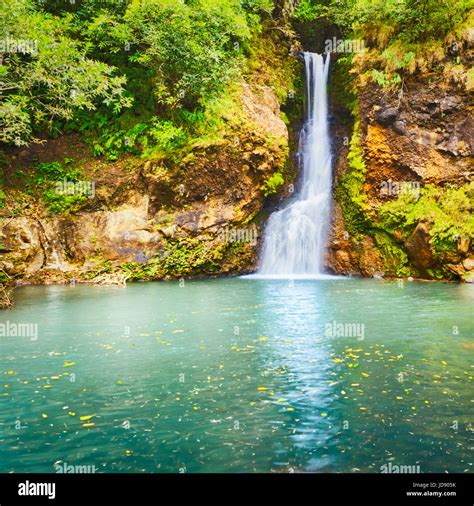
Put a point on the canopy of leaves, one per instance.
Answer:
(162, 56)
(46, 74)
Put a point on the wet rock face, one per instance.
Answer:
(422, 136)
(179, 217)
(419, 249)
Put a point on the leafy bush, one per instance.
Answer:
(41, 182)
(193, 48)
(50, 77)
(272, 184)
(400, 36)
(447, 211)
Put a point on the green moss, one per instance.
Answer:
(140, 271)
(272, 184)
(341, 87)
(394, 257)
(45, 182)
(102, 266)
(191, 256)
(447, 211)
(349, 192)
(181, 258)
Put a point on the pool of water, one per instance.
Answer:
(239, 375)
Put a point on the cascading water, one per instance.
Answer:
(296, 236)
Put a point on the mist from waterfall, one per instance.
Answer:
(296, 236)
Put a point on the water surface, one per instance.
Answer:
(240, 375)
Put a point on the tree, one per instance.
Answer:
(45, 75)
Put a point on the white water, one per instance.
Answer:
(296, 236)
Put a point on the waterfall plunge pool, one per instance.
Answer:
(239, 375)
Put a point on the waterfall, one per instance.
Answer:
(296, 236)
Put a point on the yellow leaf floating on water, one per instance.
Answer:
(10, 372)
(54, 377)
(365, 374)
(69, 364)
(281, 400)
(443, 362)
(262, 389)
(128, 452)
(290, 409)
(337, 360)
(324, 414)
(85, 418)
(71, 413)
(363, 409)
(44, 415)
(88, 424)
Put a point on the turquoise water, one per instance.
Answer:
(240, 375)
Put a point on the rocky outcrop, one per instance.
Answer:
(195, 216)
(422, 135)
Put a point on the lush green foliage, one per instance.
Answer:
(46, 74)
(273, 183)
(447, 211)
(349, 191)
(42, 181)
(400, 36)
(176, 57)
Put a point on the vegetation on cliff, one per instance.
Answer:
(193, 115)
(183, 102)
(405, 48)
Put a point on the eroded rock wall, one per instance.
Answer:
(423, 135)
